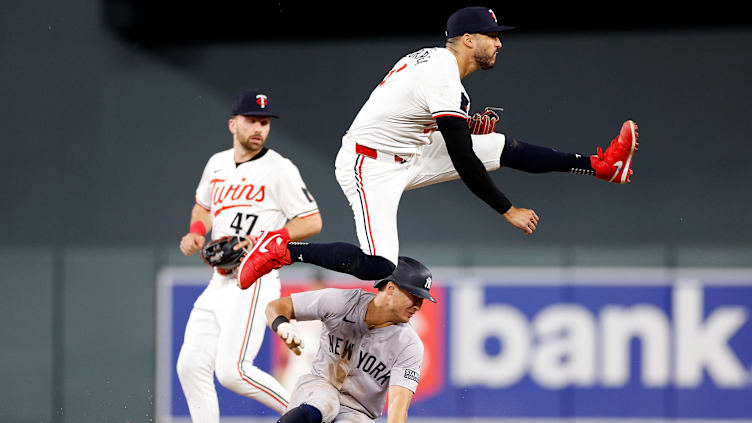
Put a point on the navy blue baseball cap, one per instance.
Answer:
(473, 20)
(252, 102)
(412, 276)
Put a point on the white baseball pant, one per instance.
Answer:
(223, 336)
(374, 186)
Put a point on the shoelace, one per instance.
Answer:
(614, 144)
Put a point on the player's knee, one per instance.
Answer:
(303, 413)
(389, 267)
(373, 267)
(188, 366)
(513, 154)
(512, 146)
(228, 376)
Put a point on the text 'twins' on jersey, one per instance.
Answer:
(260, 194)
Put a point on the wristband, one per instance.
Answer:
(278, 321)
(198, 227)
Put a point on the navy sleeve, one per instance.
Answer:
(460, 148)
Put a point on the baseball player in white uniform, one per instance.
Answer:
(414, 131)
(242, 191)
(367, 348)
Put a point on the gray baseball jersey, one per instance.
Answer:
(361, 363)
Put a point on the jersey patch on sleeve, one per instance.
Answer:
(412, 375)
(465, 103)
(307, 195)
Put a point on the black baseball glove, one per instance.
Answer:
(220, 253)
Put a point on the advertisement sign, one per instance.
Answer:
(539, 345)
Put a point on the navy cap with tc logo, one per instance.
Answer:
(252, 102)
(473, 20)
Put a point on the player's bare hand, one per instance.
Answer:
(246, 243)
(290, 338)
(191, 243)
(524, 219)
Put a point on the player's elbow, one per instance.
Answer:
(279, 307)
(271, 312)
(315, 224)
(319, 224)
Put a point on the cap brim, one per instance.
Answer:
(418, 293)
(414, 291)
(262, 114)
(496, 28)
(485, 30)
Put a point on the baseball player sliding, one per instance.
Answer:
(367, 348)
(415, 130)
(243, 190)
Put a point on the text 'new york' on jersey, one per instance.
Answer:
(361, 363)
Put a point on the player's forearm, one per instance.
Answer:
(399, 403)
(279, 307)
(397, 417)
(200, 214)
(301, 228)
(470, 169)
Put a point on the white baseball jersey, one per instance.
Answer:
(401, 112)
(360, 363)
(399, 118)
(261, 194)
(226, 327)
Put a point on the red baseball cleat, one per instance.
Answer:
(615, 165)
(269, 252)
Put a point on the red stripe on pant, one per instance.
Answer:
(246, 337)
(362, 191)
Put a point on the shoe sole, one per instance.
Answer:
(624, 176)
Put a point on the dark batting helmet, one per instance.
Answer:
(412, 276)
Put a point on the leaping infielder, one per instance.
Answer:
(415, 130)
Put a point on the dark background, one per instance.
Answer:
(110, 109)
(171, 22)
